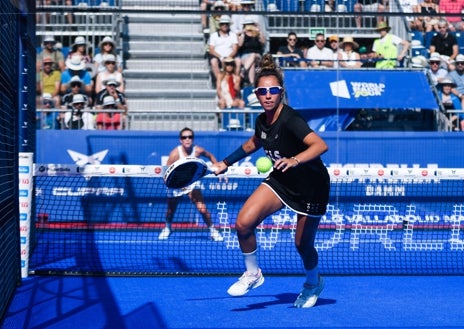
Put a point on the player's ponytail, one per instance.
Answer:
(268, 67)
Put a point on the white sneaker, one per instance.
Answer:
(309, 295)
(165, 233)
(245, 283)
(215, 235)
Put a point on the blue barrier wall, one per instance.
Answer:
(408, 149)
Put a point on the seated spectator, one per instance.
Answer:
(367, 57)
(333, 45)
(436, 70)
(76, 67)
(251, 45)
(218, 7)
(205, 5)
(370, 6)
(348, 58)
(444, 42)
(80, 47)
(386, 48)
(76, 87)
(107, 47)
(318, 55)
(222, 44)
(456, 7)
(110, 72)
(427, 23)
(110, 119)
(451, 102)
(292, 51)
(457, 76)
(47, 118)
(228, 86)
(79, 117)
(48, 82)
(111, 86)
(49, 50)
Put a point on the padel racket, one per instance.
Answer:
(186, 171)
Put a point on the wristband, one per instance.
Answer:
(235, 156)
(297, 161)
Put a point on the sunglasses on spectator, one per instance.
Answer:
(319, 41)
(73, 85)
(459, 63)
(107, 44)
(112, 63)
(47, 64)
(261, 91)
(186, 137)
(291, 39)
(434, 62)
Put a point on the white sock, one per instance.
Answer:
(251, 262)
(312, 277)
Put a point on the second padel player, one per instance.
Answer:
(188, 149)
(299, 181)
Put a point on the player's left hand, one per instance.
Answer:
(284, 164)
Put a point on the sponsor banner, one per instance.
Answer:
(358, 89)
(25, 177)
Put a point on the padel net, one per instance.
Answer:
(105, 219)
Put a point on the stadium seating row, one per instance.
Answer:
(94, 3)
(308, 5)
(426, 38)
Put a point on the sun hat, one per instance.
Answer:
(107, 40)
(383, 26)
(333, 38)
(447, 81)
(75, 79)
(225, 19)
(78, 98)
(108, 100)
(111, 80)
(435, 57)
(419, 61)
(349, 40)
(75, 63)
(108, 58)
(48, 59)
(49, 38)
(79, 41)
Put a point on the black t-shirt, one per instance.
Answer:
(444, 45)
(284, 138)
(285, 51)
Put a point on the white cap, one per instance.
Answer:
(108, 100)
(78, 98)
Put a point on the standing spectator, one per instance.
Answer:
(453, 7)
(76, 66)
(107, 47)
(228, 86)
(79, 117)
(333, 45)
(222, 44)
(48, 82)
(291, 51)
(48, 118)
(49, 50)
(437, 72)
(444, 42)
(110, 119)
(251, 45)
(319, 55)
(369, 6)
(451, 102)
(110, 63)
(386, 48)
(348, 57)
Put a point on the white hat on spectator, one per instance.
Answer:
(459, 58)
(75, 79)
(108, 100)
(78, 98)
(435, 57)
(247, 2)
(111, 80)
(219, 3)
(107, 40)
(447, 81)
(272, 7)
(79, 41)
(49, 38)
(75, 63)
(47, 96)
(108, 58)
(247, 20)
(225, 19)
(419, 61)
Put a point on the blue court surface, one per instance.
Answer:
(202, 302)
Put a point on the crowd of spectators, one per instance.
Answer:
(74, 92)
